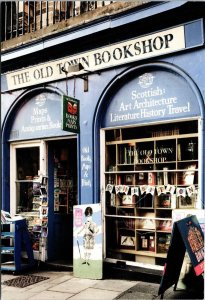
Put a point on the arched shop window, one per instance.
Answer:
(151, 160)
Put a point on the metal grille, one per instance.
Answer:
(21, 17)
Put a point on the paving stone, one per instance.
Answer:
(51, 295)
(114, 284)
(95, 294)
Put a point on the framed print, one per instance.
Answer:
(127, 241)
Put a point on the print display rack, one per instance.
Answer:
(149, 171)
(37, 217)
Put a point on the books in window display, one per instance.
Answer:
(146, 196)
(128, 200)
(147, 224)
(129, 223)
(186, 196)
(165, 200)
(163, 242)
(128, 154)
(147, 242)
(187, 177)
(165, 225)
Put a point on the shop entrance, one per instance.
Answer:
(62, 190)
(44, 190)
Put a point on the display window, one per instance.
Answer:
(28, 168)
(149, 171)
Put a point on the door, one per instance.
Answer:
(28, 197)
(62, 191)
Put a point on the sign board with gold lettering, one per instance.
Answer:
(155, 44)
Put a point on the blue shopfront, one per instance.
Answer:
(139, 151)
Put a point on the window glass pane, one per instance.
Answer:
(27, 160)
(24, 193)
(27, 163)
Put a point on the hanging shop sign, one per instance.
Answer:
(155, 44)
(187, 236)
(70, 114)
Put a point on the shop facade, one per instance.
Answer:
(139, 150)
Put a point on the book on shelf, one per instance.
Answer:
(165, 225)
(144, 242)
(147, 242)
(179, 157)
(163, 242)
(151, 178)
(129, 223)
(117, 134)
(112, 199)
(129, 154)
(142, 178)
(147, 224)
(151, 243)
(165, 200)
(159, 178)
(128, 200)
(129, 179)
(165, 176)
(188, 176)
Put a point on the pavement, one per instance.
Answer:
(62, 285)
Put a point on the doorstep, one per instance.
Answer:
(122, 271)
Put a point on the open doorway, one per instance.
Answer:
(62, 190)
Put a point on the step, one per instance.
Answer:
(8, 266)
(7, 235)
(7, 250)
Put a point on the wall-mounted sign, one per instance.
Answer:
(155, 44)
(70, 114)
(157, 94)
(39, 117)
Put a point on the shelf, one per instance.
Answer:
(150, 139)
(164, 208)
(145, 229)
(147, 162)
(163, 231)
(139, 252)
